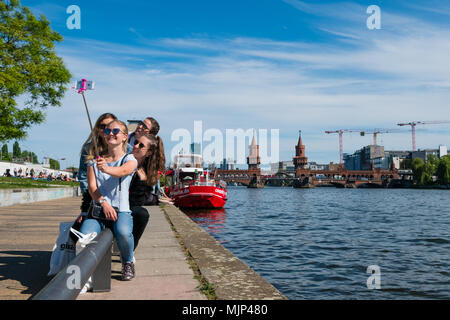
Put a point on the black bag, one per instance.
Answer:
(95, 210)
(152, 200)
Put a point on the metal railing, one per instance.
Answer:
(94, 260)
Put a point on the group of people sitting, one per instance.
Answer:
(119, 173)
(31, 174)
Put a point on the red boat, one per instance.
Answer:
(191, 185)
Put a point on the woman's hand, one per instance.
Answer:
(79, 219)
(102, 165)
(141, 174)
(109, 211)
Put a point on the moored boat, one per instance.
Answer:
(192, 186)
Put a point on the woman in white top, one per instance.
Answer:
(109, 178)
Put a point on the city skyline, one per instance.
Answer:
(284, 65)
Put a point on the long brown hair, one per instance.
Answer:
(155, 161)
(98, 136)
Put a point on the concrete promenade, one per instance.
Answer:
(29, 231)
(163, 271)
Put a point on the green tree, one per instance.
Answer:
(5, 154)
(430, 169)
(30, 67)
(443, 170)
(418, 169)
(33, 158)
(54, 164)
(405, 164)
(16, 150)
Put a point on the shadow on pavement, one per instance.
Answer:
(30, 268)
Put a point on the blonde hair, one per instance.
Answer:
(103, 148)
(98, 138)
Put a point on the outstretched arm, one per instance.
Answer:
(117, 172)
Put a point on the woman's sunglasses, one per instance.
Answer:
(141, 145)
(143, 125)
(115, 131)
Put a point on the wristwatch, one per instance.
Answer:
(102, 200)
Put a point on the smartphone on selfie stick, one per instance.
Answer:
(82, 86)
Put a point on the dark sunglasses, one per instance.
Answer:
(143, 125)
(115, 131)
(141, 145)
(102, 126)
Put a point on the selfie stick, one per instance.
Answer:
(82, 89)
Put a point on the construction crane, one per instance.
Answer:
(377, 131)
(340, 132)
(362, 132)
(413, 128)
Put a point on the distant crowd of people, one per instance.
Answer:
(33, 174)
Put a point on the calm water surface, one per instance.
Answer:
(318, 243)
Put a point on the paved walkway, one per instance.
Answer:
(28, 233)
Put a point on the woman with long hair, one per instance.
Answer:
(148, 150)
(109, 178)
(87, 149)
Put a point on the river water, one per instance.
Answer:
(318, 243)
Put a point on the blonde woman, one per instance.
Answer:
(109, 177)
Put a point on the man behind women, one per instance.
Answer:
(147, 126)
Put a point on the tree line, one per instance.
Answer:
(434, 171)
(19, 155)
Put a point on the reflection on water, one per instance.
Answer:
(212, 220)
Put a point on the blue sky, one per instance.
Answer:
(289, 65)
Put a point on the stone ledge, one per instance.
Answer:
(232, 279)
(10, 197)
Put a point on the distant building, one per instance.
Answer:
(364, 159)
(442, 151)
(316, 166)
(196, 148)
(228, 164)
(423, 154)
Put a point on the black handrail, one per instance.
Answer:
(94, 260)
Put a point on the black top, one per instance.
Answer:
(139, 191)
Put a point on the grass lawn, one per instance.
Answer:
(20, 183)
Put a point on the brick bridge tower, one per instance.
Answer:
(300, 160)
(253, 159)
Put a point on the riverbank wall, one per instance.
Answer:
(10, 197)
(231, 278)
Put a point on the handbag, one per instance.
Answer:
(151, 200)
(95, 210)
(63, 250)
